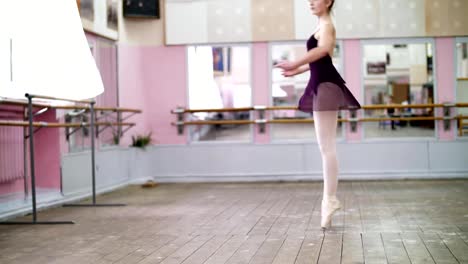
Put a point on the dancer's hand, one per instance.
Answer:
(286, 66)
(295, 71)
(291, 73)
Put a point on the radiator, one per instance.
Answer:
(11, 154)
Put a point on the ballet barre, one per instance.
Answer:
(216, 110)
(31, 125)
(306, 120)
(364, 107)
(33, 175)
(353, 119)
(122, 114)
(17, 102)
(59, 125)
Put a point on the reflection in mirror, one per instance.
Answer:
(219, 77)
(287, 91)
(462, 82)
(398, 74)
(105, 52)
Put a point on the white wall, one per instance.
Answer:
(5, 69)
(142, 31)
(112, 168)
(241, 64)
(250, 162)
(290, 162)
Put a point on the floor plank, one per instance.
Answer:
(381, 222)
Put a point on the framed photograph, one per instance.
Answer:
(100, 17)
(376, 67)
(221, 60)
(86, 8)
(464, 50)
(112, 15)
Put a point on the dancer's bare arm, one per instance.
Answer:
(325, 46)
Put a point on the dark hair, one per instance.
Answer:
(331, 5)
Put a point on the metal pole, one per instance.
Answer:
(31, 156)
(119, 128)
(11, 59)
(93, 169)
(25, 158)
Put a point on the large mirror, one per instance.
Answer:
(219, 77)
(398, 73)
(462, 81)
(287, 91)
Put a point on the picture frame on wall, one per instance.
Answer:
(86, 8)
(464, 50)
(376, 68)
(100, 17)
(221, 60)
(112, 14)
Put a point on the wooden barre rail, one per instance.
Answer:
(272, 108)
(59, 99)
(59, 125)
(111, 109)
(219, 122)
(67, 107)
(367, 107)
(296, 121)
(288, 121)
(216, 110)
(422, 118)
(365, 119)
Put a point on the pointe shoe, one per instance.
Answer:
(328, 209)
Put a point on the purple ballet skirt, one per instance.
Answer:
(326, 90)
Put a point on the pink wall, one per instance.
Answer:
(352, 75)
(131, 89)
(153, 79)
(47, 153)
(261, 89)
(47, 156)
(12, 187)
(445, 86)
(11, 153)
(106, 59)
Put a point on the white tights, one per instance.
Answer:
(325, 123)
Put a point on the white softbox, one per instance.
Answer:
(44, 51)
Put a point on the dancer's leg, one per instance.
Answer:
(325, 123)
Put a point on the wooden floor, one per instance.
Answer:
(382, 222)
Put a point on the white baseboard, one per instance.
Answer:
(22, 207)
(140, 180)
(309, 177)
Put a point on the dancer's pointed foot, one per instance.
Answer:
(329, 207)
